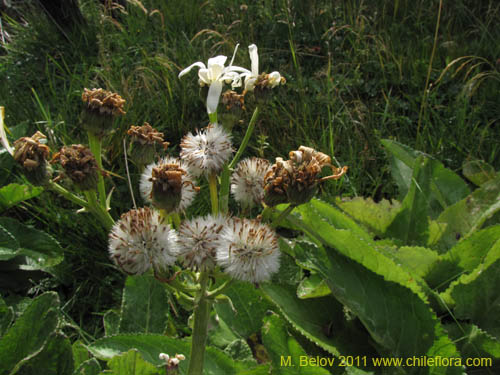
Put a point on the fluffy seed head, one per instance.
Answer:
(167, 185)
(248, 250)
(198, 240)
(207, 151)
(141, 240)
(247, 181)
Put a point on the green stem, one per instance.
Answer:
(283, 215)
(95, 144)
(226, 173)
(100, 212)
(212, 117)
(214, 293)
(212, 184)
(67, 194)
(199, 338)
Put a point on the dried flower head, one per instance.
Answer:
(79, 165)
(198, 241)
(248, 250)
(143, 142)
(168, 185)
(297, 180)
(207, 151)
(32, 153)
(234, 105)
(247, 181)
(141, 240)
(101, 106)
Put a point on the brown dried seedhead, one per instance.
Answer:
(32, 153)
(146, 135)
(79, 165)
(296, 180)
(103, 102)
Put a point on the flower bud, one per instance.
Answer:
(234, 105)
(32, 153)
(101, 107)
(264, 83)
(79, 165)
(143, 142)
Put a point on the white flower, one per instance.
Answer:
(215, 74)
(3, 136)
(247, 181)
(140, 240)
(248, 250)
(188, 188)
(207, 151)
(272, 79)
(198, 241)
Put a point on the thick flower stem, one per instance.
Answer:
(226, 173)
(67, 194)
(95, 144)
(212, 184)
(101, 213)
(283, 215)
(212, 117)
(199, 338)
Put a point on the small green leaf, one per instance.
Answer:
(250, 306)
(478, 172)
(287, 356)
(240, 351)
(8, 245)
(30, 333)
(144, 305)
(6, 316)
(313, 287)
(89, 367)
(131, 363)
(41, 250)
(13, 194)
(80, 353)
(111, 321)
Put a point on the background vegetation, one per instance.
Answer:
(357, 72)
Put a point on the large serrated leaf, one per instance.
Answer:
(398, 320)
(8, 244)
(131, 363)
(250, 307)
(475, 296)
(150, 346)
(478, 171)
(13, 194)
(468, 215)
(55, 359)
(144, 305)
(321, 320)
(30, 333)
(411, 224)
(376, 216)
(417, 259)
(6, 316)
(476, 343)
(287, 356)
(41, 250)
(446, 186)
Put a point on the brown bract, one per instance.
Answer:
(103, 102)
(29, 152)
(296, 180)
(79, 165)
(233, 101)
(147, 135)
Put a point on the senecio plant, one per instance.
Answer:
(195, 257)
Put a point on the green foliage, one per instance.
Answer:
(131, 363)
(12, 194)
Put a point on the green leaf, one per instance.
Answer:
(376, 216)
(468, 215)
(13, 194)
(151, 345)
(30, 333)
(56, 358)
(474, 296)
(131, 363)
(464, 257)
(80, 353)
(478, 171)
(398, 320)
(250, 306)
(287, 356)
(111, 322)
(89, 367)
(40, 249)
(312, 287)
(6, 316)
(144, 305)
(321, 320)
(8, 244)
(446, 186)
(475, 343)
(219, 333)
(411, 224)
(6, 164)
(240, 351)
(417, 259)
